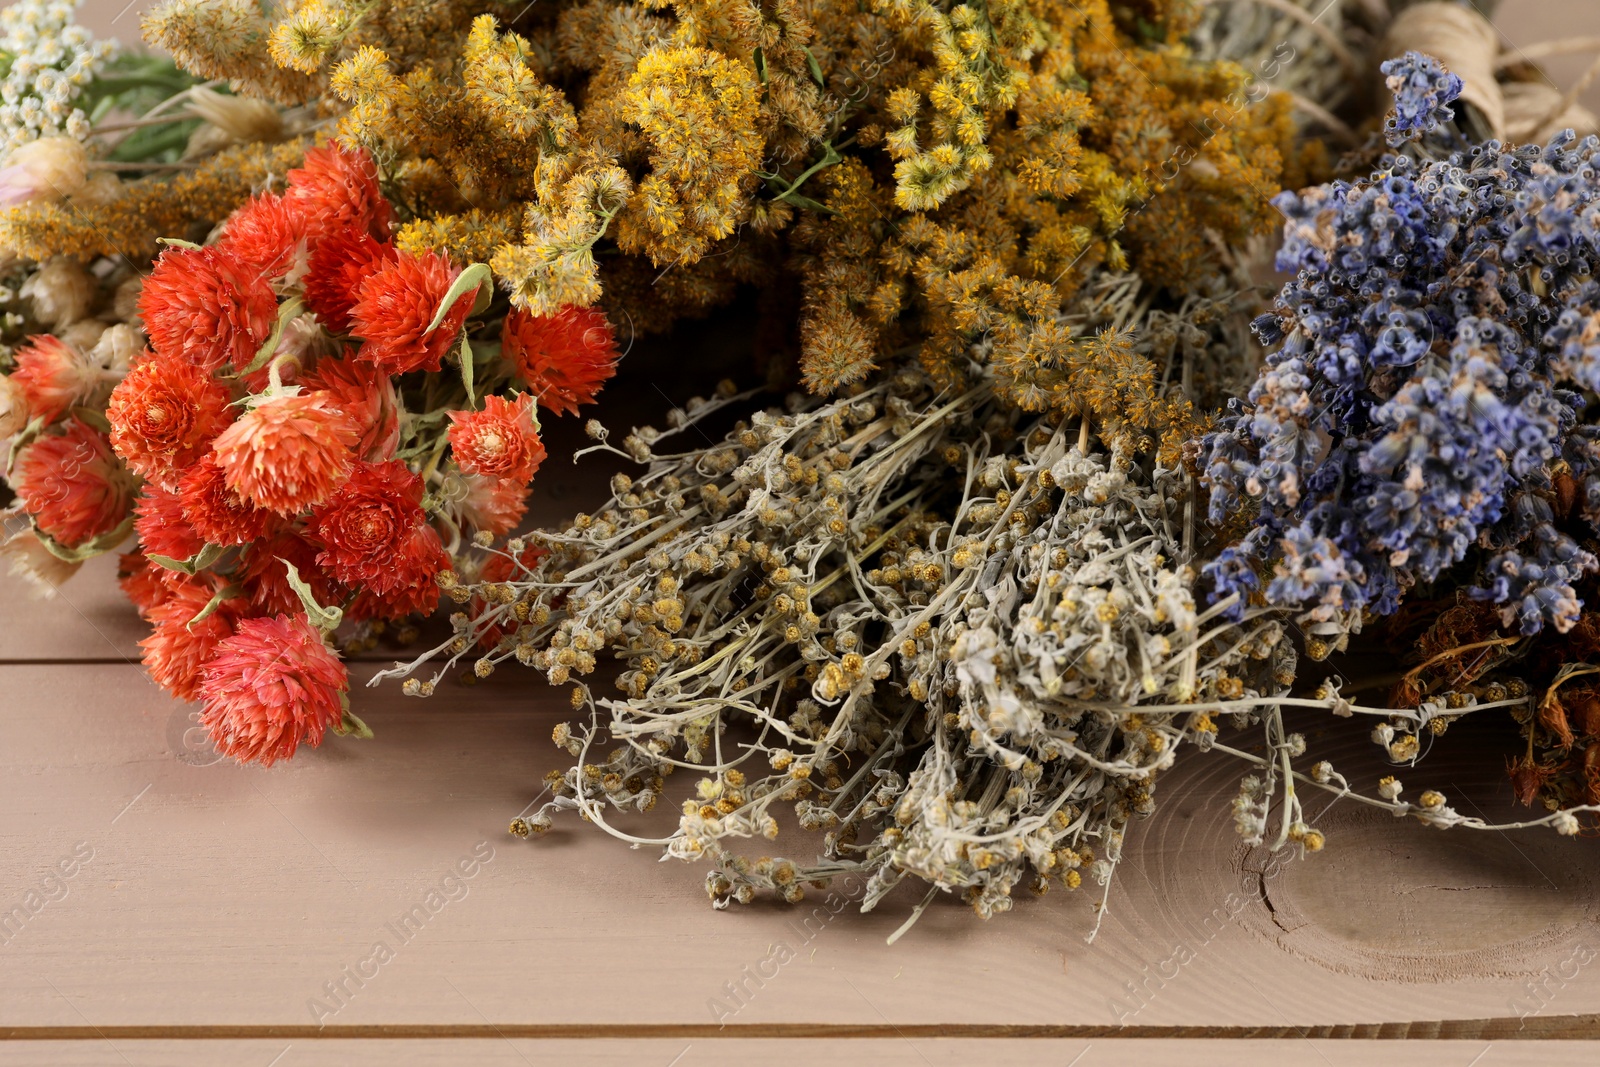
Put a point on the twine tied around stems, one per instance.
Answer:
(1522, 109)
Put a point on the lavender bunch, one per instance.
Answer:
(1423, 92)
(1422, 418)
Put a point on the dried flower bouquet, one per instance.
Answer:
(1034, 517)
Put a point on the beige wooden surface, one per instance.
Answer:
(218, 903)
(217, 897)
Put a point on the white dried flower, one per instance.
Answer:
(116, 349)
(13, 412)
(83, 334)
(62, 292)
(28, 558)
(1565, 823)
(52, 59)
(239, 118)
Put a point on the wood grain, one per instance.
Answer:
(224, 896)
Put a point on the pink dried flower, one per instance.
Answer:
(272, 685)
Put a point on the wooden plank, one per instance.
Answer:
(220, 895)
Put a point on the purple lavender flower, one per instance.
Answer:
(1423, 91)
(1435, 355)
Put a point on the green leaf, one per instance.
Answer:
(467, 281)
(22, 439)
(93, 417)
(349, 725)
(484, 298)
(466, 369)
(194, 564)
(178, 242)
(806, 202)
(291, 307)
(89, 549)
(325, 619)
(227, 592)
(816, 68)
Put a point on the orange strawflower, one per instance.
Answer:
(338, 187)
(218, 514)
(565, 358)
(207, 307)
(142, 582)
(364, 527)
(72, 485)
(178, 648)
(270, 686)
(492, 505)
(53, 376)
(368, 397)
(266, 581)
(340, 263)
(500, 441)
(288, 453)
(395, 306)
(271, 234)
(164, 415)
(418, 558)
(162, 529)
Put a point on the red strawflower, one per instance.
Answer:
(498, 442)
(53, 376)
(419, 557)
(489, 504)
(288, 453)
(565, 358)
(142, 582)
(164, 415)
(368, 397)
(367, 524)
(270, 233)
(207, 307)
(338, 187)
(178, 648)
(265, 579)
(395, 306)
(72, 484)
(162, 529)
(339, 264)
(217, 513)
(271, 685)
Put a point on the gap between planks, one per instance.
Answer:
(1539, 1028)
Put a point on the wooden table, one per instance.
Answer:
(179, 909)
